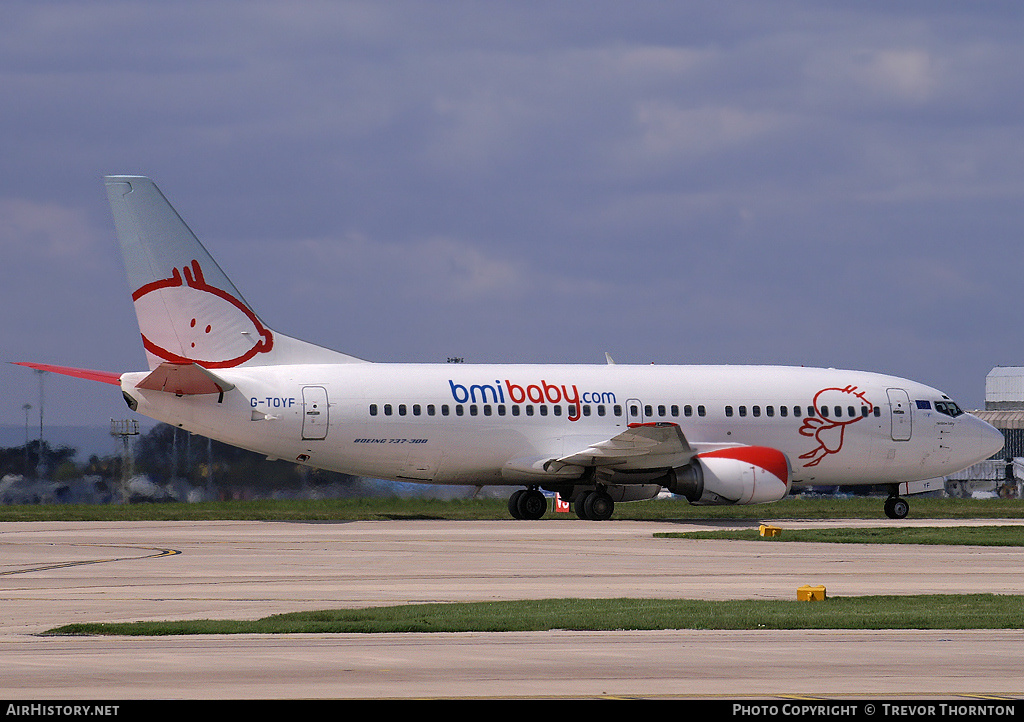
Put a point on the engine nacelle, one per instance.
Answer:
(737, 475)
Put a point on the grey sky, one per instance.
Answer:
(815, 183)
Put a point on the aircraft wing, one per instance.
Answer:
(641, 446)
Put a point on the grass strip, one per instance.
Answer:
(959, 535)
(396, 508)
(969, 611)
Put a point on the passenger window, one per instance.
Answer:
(445, 410)
(556, 410)
(586, 409)
(459, 411)
(728, 411)
(824, 411)
(743, 411)
(416, 409)
(756, 410)
(529, 410)
(687, 410)
(601, 410)
(501, 409)
(543, 409)
(701, 411)
(473, 409)
(617, 410)
(373, 409)
(487, 409)
(648, 411)
(783, 410)
(661, 410)
(769, 411)
(387, 409)
(515, 411)
(431, 410)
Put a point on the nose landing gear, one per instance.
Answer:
(896, 507)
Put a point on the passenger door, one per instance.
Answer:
(902, 419)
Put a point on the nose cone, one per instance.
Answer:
(990, 439)
(981, 441)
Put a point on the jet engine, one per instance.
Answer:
(736, 475)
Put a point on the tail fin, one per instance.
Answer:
(188, 310)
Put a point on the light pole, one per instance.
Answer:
(39, 467)
(24, 468)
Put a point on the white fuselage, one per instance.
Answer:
(463, 424)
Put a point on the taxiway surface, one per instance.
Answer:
(62, 572)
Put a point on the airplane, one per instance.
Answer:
(595, 435)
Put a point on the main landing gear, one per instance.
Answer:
(896, 507)
(527, 504)
(594, 505)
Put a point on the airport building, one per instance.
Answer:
(1003, 474)
(1004, 407)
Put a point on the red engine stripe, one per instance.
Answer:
(769, 459)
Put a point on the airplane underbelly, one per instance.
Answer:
(477, 456)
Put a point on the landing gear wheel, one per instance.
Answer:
(513, 503)
(599, 506)
(896, 507)
(531, 504)
(527, 504)
(580, 506)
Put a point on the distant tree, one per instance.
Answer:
(166, 452)
(25, 460)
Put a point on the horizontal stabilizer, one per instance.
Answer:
(105, 376)
(184, 380)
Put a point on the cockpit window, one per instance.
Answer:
(949, 408)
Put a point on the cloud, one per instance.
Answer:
(47, 231)
(553, 179)
(432, 270)
(872, 76)
(671, 134)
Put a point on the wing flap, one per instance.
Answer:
(641, 446)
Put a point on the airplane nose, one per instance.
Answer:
(979, 440)
(990, 439)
